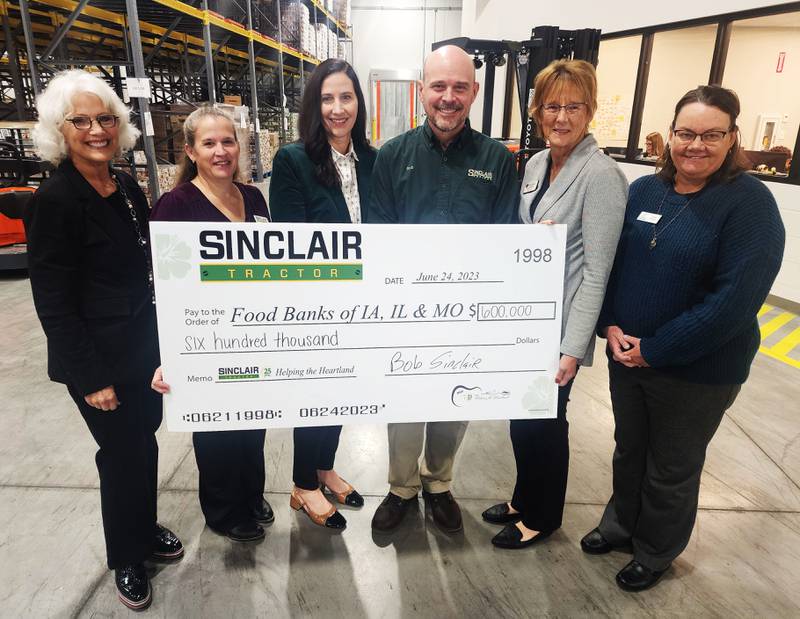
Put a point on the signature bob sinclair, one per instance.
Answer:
(280, 245)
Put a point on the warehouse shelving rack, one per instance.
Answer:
(197, 50)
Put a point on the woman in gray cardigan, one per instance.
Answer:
(571, 183)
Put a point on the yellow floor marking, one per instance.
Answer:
(786, 344)
(775, 324)
(784, 358)
(764, 309)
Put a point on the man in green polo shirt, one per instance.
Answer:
(441, 172)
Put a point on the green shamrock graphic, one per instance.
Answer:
(172, 257)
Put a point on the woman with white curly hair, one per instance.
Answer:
(90, 275)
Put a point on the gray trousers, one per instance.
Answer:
(663, 426)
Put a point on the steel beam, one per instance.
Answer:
(254, 94)
(281, 93)
(170, 29)
(212, 91)
(62, 32)
(13, 67)
(84, 62)
(144, 104)
(30, 46)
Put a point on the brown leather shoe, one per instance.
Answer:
(331, 519)
(445, 510)
(390, 512)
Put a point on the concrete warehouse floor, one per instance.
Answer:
(742, 559)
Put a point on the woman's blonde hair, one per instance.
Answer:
(554, 78)
(187, 169)
(55, 103)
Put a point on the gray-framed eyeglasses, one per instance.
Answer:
(570, 108)
(82, 123)
(686, 136)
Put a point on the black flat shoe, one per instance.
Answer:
(263, 513)
(594, 543)
(167, 546)
(133, 586)
(637, 577)
(247, 531)
(511, 537)
(499, 514)
(349, 497)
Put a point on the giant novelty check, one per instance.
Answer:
(278, 325)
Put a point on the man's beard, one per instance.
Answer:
(447, 125)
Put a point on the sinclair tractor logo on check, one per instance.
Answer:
(276, 255)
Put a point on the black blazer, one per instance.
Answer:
(89, 282)
(296, 195)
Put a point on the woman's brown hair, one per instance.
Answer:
(725, 100)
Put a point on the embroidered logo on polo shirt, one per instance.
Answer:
(482, 174)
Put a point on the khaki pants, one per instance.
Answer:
(441, 440)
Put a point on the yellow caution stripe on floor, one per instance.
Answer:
(781, 349)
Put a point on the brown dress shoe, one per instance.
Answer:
(445, 510)
(331, 519)
(390, 512)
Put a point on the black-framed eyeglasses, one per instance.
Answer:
(686, 136)
(82, 123)
(570, 108)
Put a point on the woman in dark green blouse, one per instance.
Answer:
(324, 178)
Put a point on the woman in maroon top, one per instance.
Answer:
(231, 464)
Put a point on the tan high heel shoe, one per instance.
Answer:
(349, 497)
(331, 519)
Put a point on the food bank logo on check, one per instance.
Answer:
(282, 256)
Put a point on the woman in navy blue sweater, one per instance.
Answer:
(701, 245)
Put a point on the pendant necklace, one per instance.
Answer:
(141, 239)
(654, 238)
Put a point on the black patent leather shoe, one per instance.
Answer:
(594, 543)
(247, 531)
(390, 512)
(511, 537)
(349, 497)
(499, 514)
(263, 513)
(445, 510)
(167, 546)
(637, 577)
(133, 586)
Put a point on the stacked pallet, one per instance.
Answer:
(342, 10)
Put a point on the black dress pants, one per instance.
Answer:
(232, 475)
(127, 462)
(314, 448)
(663, 427)
(541, 451)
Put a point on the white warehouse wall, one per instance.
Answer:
(514, 19)
(397, 34)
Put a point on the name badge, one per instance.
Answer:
(532, 186)
(261, 220)
(651, 218)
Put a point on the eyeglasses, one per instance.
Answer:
(82, 123)
(571, 108)
(709, 137)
